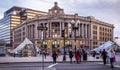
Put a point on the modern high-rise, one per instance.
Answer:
(13, 17)
(60, 29)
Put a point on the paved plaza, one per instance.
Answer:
(35, 63)
(48, 59)
(9, 59)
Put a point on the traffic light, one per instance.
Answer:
(62, 33)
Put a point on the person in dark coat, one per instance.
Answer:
(84, 55)
(104, 56)
(94, 53)
(54, 56)
(77, 56)
(71, 55)
(45, 53)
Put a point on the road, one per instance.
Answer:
(84, 66)
(58, 66)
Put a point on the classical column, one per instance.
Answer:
(36, 31)
(29, 31)
(60, 28)
(82, 30)
(33, 30)
(50, 29)
(79, 30)
(63, 24)
(89, 36)
(86, 31)
(68, 29)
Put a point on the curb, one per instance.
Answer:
(45, 62)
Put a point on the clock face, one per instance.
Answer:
(55, 11)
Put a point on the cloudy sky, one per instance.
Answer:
(104, 10)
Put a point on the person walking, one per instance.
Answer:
(84, 53)
(77, 56)
(54, 56)
(93, 54)
(111, 55)
(104, 56)
(71, 55)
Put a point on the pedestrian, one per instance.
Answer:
(84, 53)
(111, 55)
(94, 53)
(54, 56)
(77, 56)
(80, 54)
(13, 54)
(71, 55)
(104, 56)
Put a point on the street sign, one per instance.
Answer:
(42, 28)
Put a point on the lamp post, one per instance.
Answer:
(74, 28)
(63, 35)
(42, 28)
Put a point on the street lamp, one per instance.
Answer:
(74, 28)
(43, 29)
(63, 35)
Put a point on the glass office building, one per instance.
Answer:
(13, 17)
(5, 29)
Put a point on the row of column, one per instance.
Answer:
(82, 32)
(50, 28)
(30, 31)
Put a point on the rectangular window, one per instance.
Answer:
(95, 37)
(94, 32)
(12, 17)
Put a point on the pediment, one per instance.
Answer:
(55, 17)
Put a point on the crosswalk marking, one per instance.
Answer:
(52, 65)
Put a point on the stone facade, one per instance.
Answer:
(90, 32)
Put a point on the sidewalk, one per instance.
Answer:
(9, 59)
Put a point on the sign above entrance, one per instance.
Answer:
(41, 28)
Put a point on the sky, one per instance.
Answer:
(103, 10)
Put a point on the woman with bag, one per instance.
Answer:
(77, 56)
(111, 55)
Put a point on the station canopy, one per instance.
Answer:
(107, 45)
(117, 41)
(20, 47)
